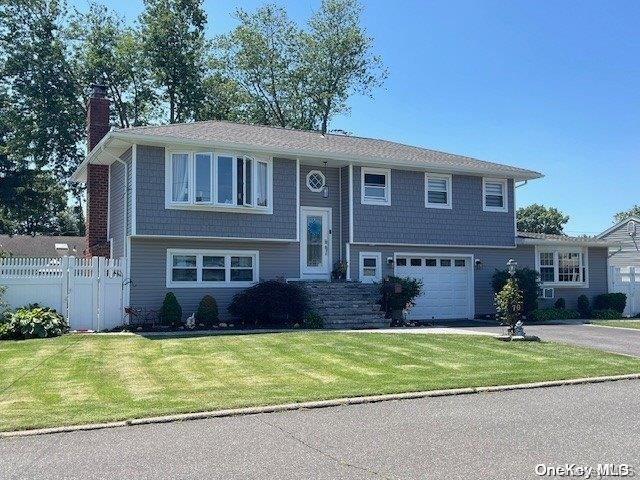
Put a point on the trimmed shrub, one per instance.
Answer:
(560, 303)
(313, 320)
(610, 301)
(398, 294)
(550, 314)
(270, 304)
(607, 314)
(33, 321)
(583, 306)
(528, 282)
(207, 312)
(509, 303)
(170, 314)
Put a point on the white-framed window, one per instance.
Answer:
(188, 268)
(437, 190)
(494, 195)
(316, 180)
(546, 293)
(375, 188)
(218, 181)
(370, 267)
(562, 266)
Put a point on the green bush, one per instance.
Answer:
(207, 312)
(397, 294)
(170, 313)
(509, 303)
(606, 314)
(560, 303)
(610, 301)
(33, 321)
(270, 304)
(313, 320)
(528, 282)
(583, 306)
(550, 314)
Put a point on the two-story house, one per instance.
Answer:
(213, 207)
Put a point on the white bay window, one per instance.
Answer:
(211, 268)
(562, 266)
(218, 181)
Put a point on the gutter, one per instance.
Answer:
(569, 243)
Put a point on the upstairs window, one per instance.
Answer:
(217, 181)
(438, 191)
(562, 265)
(494, 195)
(376, 186)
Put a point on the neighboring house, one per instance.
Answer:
(42, 246)
(626, 238)
(213, 207)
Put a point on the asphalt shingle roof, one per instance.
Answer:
(559, 238)
(42, 246)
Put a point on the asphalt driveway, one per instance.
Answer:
(491, 435)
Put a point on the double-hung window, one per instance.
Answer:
(218, 181)
(438, 191)
(213, 268)
(376, 186)
(562, 266)
(494, 195)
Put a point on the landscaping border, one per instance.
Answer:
(315, 404)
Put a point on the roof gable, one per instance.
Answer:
(617, 226)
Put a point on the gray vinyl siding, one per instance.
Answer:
(492, 259)
(408, 221)
(626, 252)
(154, 219)
(315, 199)
(149, 269)
(345, 207)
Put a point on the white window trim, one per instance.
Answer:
(376, 171)
(213, 205)
(199, 253)
(556, 265)
(505, 192)
(378, 257)
(439, 176)
(543, 293)
(316, 172)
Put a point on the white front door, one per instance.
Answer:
(315, 242)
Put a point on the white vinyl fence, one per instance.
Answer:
(88, 291)
(626, 280)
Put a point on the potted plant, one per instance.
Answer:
(339, 272)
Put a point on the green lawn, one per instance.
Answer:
(618, 323)
(82, 378)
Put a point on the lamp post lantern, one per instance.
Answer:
(511, 265)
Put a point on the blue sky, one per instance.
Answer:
(551, 86)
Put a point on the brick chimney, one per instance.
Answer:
(97, 243)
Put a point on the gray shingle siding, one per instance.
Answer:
(626, 253)
(345, 205)
(154, 219)
(149, 267)
(408, 221)
(492, 259)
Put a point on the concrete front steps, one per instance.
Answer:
(347, 304)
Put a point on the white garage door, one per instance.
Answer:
(448, 286)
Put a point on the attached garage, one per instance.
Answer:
(448, 284)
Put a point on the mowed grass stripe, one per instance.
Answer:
(87, 379)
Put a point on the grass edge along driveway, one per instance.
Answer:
(634, 324)
(78, 379)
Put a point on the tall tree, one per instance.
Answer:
(112, 54)
(540, 219)
(632, 212)
(338, 58)
(173, 37)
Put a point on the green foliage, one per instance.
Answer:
(171, 312)
(540, 219)
(33, 321)
(610, 301)
(550, 314)
(398, 294)
(605, 314)
(313, 320)
(509, 303)
(528, 282)
(560, 303)
(207, 312)
(339, 271)
(270, 304)
(583, 306)
(632, 212)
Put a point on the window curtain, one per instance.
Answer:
(180, 178)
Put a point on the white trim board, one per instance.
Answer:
(231, 239)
